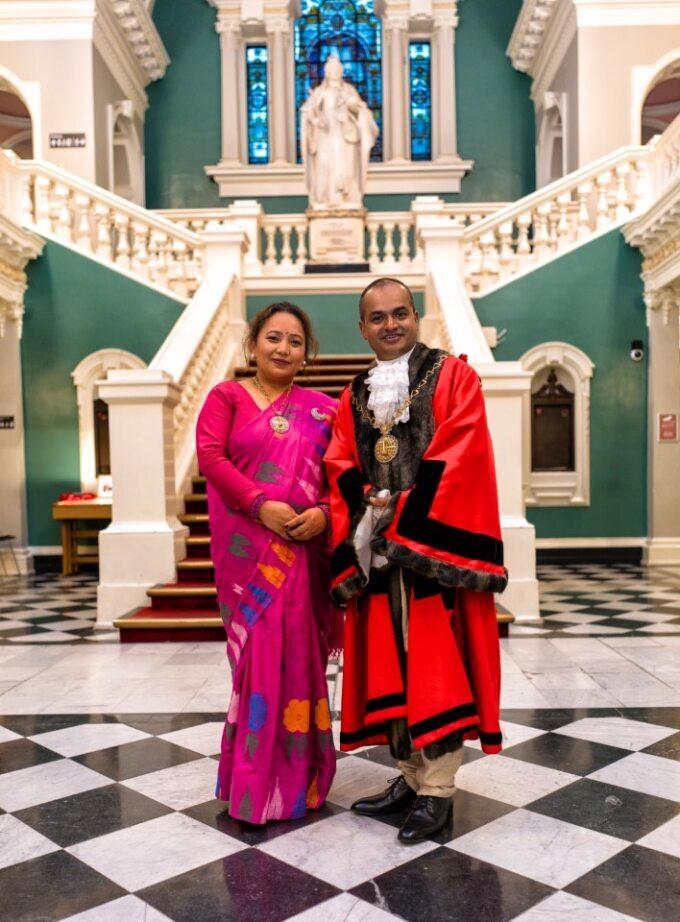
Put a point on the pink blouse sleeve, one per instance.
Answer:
(212, 439)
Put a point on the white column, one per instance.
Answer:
(230, 52)
(396, 87)
(279, 43)
(445, 144)
(505, 386)
(663, 542)
(12, 464)
(247, 214)
(145, 539)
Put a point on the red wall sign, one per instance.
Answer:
(668, 427)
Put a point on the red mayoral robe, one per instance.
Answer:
(434, 662)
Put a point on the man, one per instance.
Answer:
(416, 558)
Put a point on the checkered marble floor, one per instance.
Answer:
(109, 817)
(581, 600)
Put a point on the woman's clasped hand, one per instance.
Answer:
(282, 519)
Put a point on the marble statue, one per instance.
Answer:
(337, 133)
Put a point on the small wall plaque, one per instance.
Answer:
(6, 422)
(668, 427)
(72, 139)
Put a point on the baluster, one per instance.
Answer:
(622, 173)
(270, 251)
(139, 262)
(27, 199)
(583, 192)
(61, 215)
(177, 276)
(122, 225)
(635, 185)
(286, 250)
(404, 254)
(301, 233)
(523, 248)
(158, 261)
(82, 233)
(553, 221)
(42, 190)
(373, 251)
(564, 233)
(104, 245)
(541, 239)
(388, 229)
(490, 268)
(602, 183)
(507, 255)
(474, 263)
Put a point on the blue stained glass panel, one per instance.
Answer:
(257, 89)
(420, 86)
(351, 30)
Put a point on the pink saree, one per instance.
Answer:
(277, 758)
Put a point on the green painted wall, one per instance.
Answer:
(182, 129)
(495, 113)
(335, 318)
(592, 299)
(74, 306)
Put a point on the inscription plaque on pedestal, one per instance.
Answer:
(336, 239)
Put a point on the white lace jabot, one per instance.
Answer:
(388, 387)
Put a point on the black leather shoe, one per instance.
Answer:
(428, 816)
(398, 796)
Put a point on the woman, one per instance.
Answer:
(260, 446)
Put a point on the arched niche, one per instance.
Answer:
(551, 142)
(126, 174)
(16, 123)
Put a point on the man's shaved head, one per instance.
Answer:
(383, 283)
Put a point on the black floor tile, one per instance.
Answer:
(605, 808)
(554, 718)
(138, 758)
(248, 886)
(214, 813)
(32, 724)
(158, 724)
(470, 811)
(663, 716)
(23, 753)
(52, 887)
(638, 881)
(668, 748)
(552, 750)
(93, 813)
(446, 886)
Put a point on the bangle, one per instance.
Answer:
(257, 504)
(326, 509)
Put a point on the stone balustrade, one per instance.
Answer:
(561, 215)
(664, 159)
(58, 204)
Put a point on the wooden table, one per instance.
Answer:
(71, 515)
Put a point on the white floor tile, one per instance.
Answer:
(75, 741)
(204, 738)
(645, 773)
(355, 777)
(343, 908)
(539, 847)
(664, 838)
(18, 842)
(509, 780)
(179, 786)
(576, 617)
(512, 734)
(49, 781)
(150, 852)
(126, 909)
(344, 850)
(7, 735)
(562, 906)
(617, 731)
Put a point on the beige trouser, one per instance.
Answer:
(432, 777)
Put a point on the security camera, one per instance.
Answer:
(637, 350)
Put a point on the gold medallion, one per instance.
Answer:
(386, 448)
(279, 424)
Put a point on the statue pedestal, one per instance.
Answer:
(336, 241)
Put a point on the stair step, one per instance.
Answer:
(195, 497)
(188, 518)
(149, 625)
(198, 540)
(182, 591)
(198, 481)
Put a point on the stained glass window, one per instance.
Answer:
(258, 110)
(351, 30)
(420, 86)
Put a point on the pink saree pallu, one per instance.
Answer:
(278, 758)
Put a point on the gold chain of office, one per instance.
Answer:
(387, 447)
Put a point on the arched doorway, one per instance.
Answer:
(16, 128)
(127, 158)
(662, 104)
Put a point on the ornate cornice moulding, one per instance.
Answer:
(142, 35)
(529, 31)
